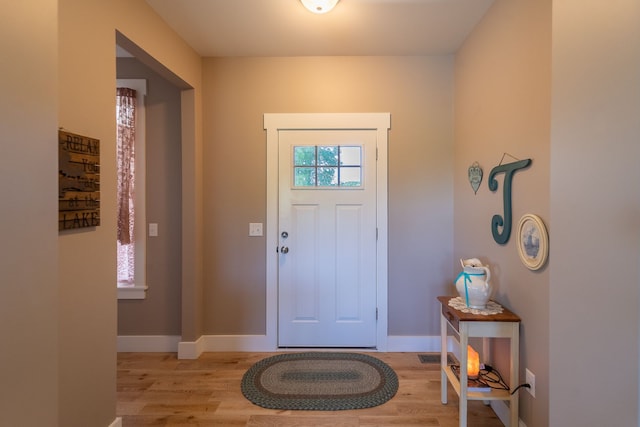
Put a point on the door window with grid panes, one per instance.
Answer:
(318, 166)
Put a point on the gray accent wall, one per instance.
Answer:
(503, 110)
(160, 312)
(417, 91)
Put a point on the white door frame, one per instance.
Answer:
(273, 123)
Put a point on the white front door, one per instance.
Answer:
(327, 290)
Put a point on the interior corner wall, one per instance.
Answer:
(502, 112)
(595, 209)
(87, 276)
(417, 91)
(28, 190)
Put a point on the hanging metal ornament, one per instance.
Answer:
(475, 176)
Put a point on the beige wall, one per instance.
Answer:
(59, 327)
(579, 125)
(160, 312)
(595, 209)
(28, 189)
(87, 35)
(503, 105)
(417, 91)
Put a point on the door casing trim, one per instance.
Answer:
(273, 123)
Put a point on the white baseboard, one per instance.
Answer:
(256, 343)
(191, 349)
(422, 343)
(116, 423)
(502, 411)
(207, 343)
(261, 343)
(148, 343)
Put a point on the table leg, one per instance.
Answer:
(464, 341)
(443, 359)
(514, 372)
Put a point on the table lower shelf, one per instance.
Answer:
(476, 395)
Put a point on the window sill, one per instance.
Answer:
(132, 292)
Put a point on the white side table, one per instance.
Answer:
(467, 325)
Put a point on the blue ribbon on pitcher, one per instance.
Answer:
(467, 278)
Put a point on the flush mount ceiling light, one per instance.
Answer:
(319, 6)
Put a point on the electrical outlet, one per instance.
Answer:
(531, 380)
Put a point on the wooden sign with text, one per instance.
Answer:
(79, 181)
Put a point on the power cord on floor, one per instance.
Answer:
(490, 377)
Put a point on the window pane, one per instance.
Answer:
(327, 156)
(304, 156)
(327, 177)
(126, 146)
(126, 263)
(305, 177)
(327, 166)
(350, 156)
(350, 177)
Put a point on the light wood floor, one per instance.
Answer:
(157, 389)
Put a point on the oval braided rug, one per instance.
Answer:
(319, 381)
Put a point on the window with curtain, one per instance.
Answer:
(126, 170)
(131, 209)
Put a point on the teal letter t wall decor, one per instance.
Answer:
(497, 221)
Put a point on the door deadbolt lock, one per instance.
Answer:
(284, 234)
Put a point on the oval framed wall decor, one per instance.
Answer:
(533, 241)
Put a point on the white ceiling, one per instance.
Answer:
(354, 27)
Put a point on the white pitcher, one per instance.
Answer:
(473, 283)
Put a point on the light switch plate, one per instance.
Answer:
(153, 229)
(255, 229)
